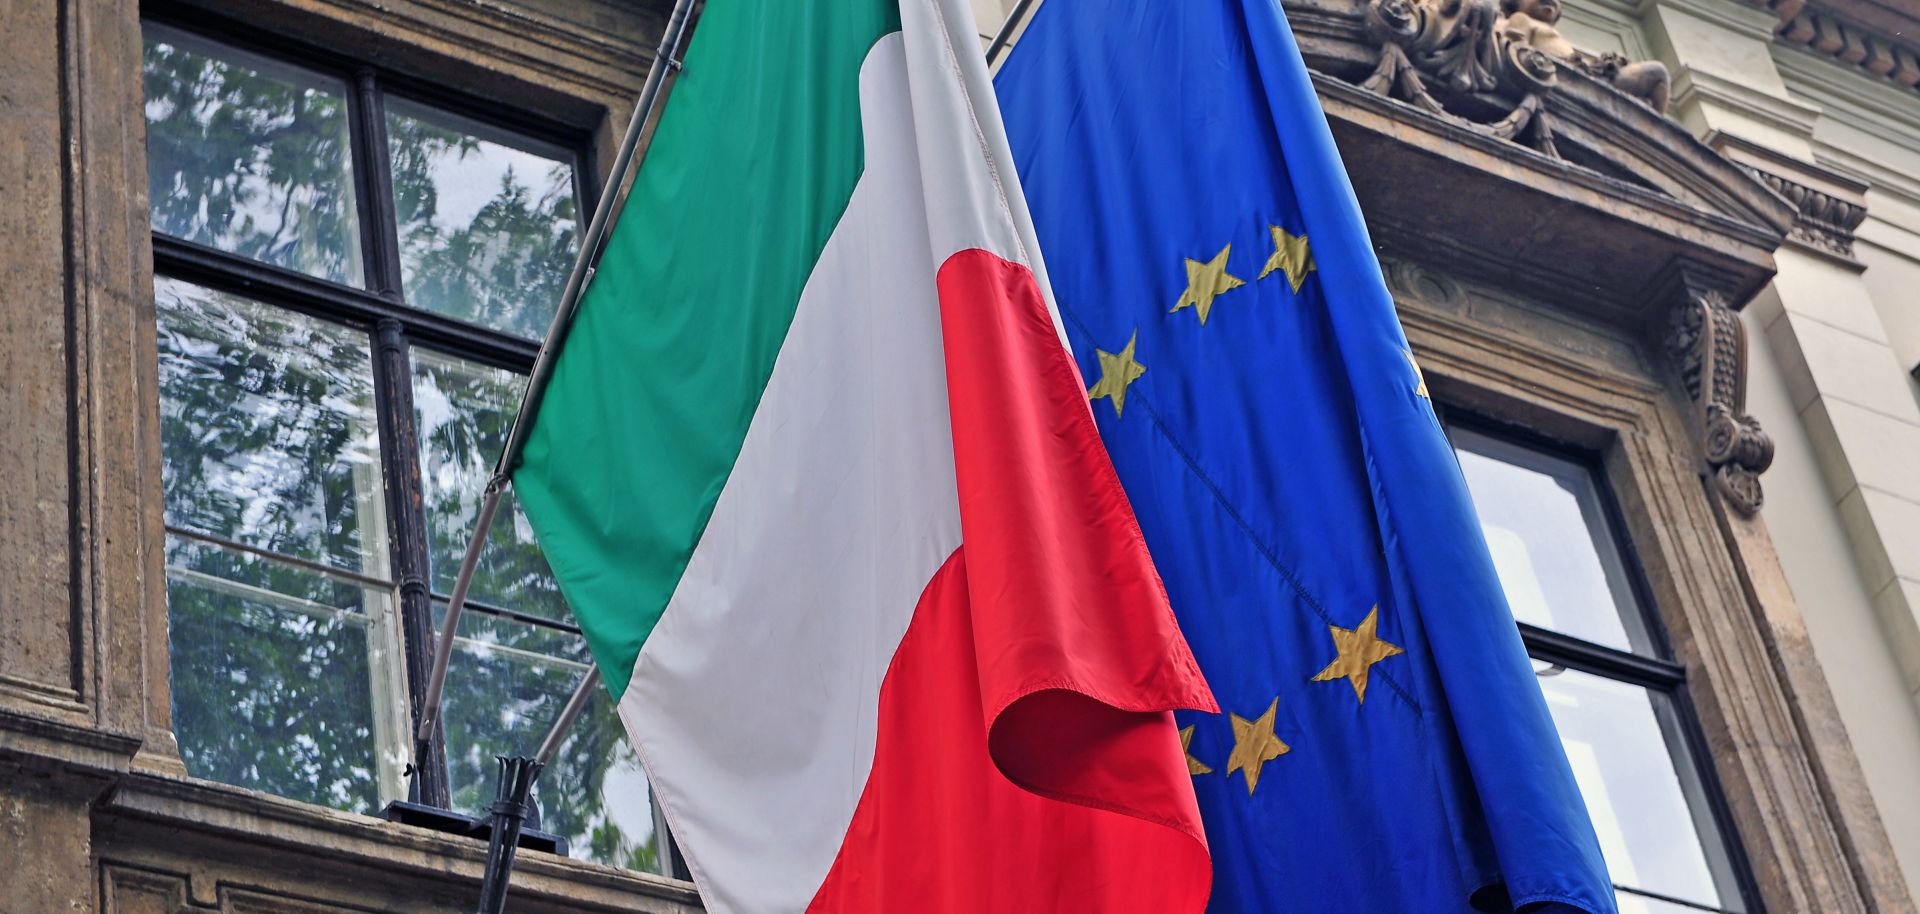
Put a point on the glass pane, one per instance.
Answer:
(487, 219)
(283, 679)
(599, 795)
(267, 428)
(506, 685)
(1544, 523)
(1621, 741)
(465, 411)
(250, 155)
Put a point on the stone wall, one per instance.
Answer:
(96, 813)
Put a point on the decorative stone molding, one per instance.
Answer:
(1824, 221)
(1884, 49)
(1828, 205)
(1709, 345)
(1491, 63)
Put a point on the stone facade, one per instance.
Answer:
(1717, 301)
(96, 813)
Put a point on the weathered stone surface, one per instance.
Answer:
(48, 839)
(215, 848)
(37, 660)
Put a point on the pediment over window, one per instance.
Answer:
(1552, 174)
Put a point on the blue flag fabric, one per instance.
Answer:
(1383, 745)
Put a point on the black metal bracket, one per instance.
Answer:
(446, 821)
(511, 806)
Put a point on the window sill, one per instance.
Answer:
(226, 835)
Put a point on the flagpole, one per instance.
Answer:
(631, 153)
(578, 703)
(1004, 37)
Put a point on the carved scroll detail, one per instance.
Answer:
(1709, 345)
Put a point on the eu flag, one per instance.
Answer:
(1383, 747)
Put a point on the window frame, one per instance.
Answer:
(1655, 670)
(392, 327)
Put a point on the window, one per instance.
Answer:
(1617, 698)
(352, 274)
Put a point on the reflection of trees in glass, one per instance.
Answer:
(503, 693)
(464, 410)
(283, 679)
(584, 792)
(507, 264)
(249, 156)
(267, 439)
(267, 428)
(271, 683)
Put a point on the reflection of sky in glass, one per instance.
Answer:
(628, 796)
(1620, 757)
(1545, 527)
(268, 427)
(465, 409)
(623, 801)
(506, 685)
(249, 155)
(486, 218)
(1538, 528)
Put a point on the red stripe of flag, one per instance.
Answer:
(1027, 758)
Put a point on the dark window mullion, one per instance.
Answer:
(399, 432)
(373, 174)
(1564, 650)
(407, 535)
(228, 272)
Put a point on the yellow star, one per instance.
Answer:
(1195, 766)
(1290, 253)
(1419, 377)
(1360, 648)
(1254, 745)
(1116, 373)
(1205, 281)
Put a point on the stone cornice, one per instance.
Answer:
(1869, 34)
(1829, 205)
(1789, 115)
(1825, 221)
(1885, 17)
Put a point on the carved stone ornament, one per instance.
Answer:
(1709, 344)
(1823, 220)
(1490, 63)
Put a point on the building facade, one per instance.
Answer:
(273, 270)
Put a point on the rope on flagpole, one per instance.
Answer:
(631, 154)
(1004, 37)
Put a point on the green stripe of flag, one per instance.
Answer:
(751, 167)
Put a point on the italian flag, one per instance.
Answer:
(818, 477)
